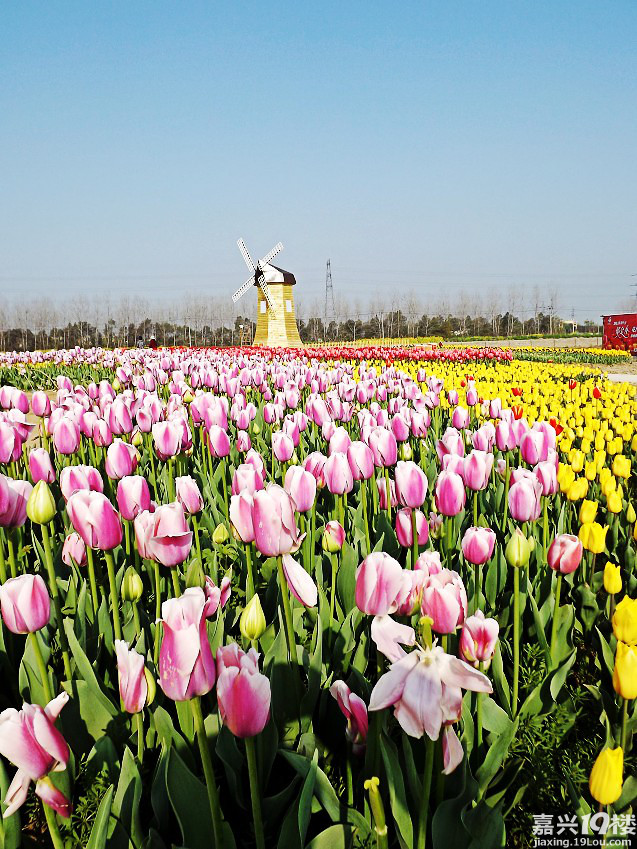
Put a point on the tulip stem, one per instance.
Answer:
(171, 479)
(3, 564)
(475, 509)
(545, 528)
(126, 539)
(139, 722)
(13, 566)
(449, 531)
(414, 540)
(157, 610)
(556, 613)
(388, 493)
(195, 525)
(250, 576)
(365, 522)
(208, 770)
(375, 496)
(225, 490)
(136, 622)
(479, 708)
(427, 776)
(57, 606)
(334, 559)
(516, 639)
(92, 582)
(175, 579)
(112, 583)
(255, 794)
(287, 611)
(349, 783)
(506, 494)
(54, 831)
(624, 732)
(478, 590)
(44, 675)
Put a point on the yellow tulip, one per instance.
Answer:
(612, 579)
(614, 502)
(621, 466)
(606, 778)
(633, 444)
(577, 461)
(625, 671)
(593, 537)
(609, 486)
(631, 516)
(587, 511)
(590, 470)
(625, 621)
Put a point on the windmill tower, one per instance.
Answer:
(276, 319)
(330, 310)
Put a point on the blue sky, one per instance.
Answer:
(431, 146)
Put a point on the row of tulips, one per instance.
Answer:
(273, 539)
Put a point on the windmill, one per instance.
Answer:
(276, 321)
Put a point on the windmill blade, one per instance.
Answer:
(266, 259)
(266, 291)
(240, 292)
(246, 256)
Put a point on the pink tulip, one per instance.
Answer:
(74, 550)
(142, 525)
(25, 604)
(424, 688)
(216, 596)
(218, 442)
(533, 447)
(429, 563)
(40, 466)
(565, 554)
(76, 478)
(133, 496)
(404, 529)
(9, 442)
(40, 404)
(243, 693)
(383, 446)
(452, 397)
(339, 441)
(546, 474)
(119, 418)
(315, 464)
(381, 486)
(400, 428)
(333, 537)
(460, 418)
(411, 484)
(444, 599)
(17, 495)
(275, 531)
(95, 519)
(121, 459)
(453, 463)
(484, 437)
(133, 686)
(241, 516)
(30, 740)
(450, 493)
(451, 443)
(504, 436)
(478, 545)
(472, 396)
(361, 461)
(477, 469)
(524, 500)
(189, 495)
(382, 585)
(244, 443)
(299, 582)
(246, 478)
(338, 475)
(186, 664)
(301, 486)
(168, 539)
(282, 446)
(478, 638)
(66, 436)
(166, 439)
(354, 710)
(102, 435)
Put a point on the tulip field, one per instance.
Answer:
(316, 599)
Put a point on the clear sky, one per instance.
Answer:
(420, 145)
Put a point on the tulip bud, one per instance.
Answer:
(188, 397)
(220, 534)
(152, 686)
(195, 576)
(252, 623)
(333, 537)
(116, 385)
(41, 505)
(631, 516)
(256, 430)
(518, 549)
(612, 578)
(606, 778)
(625, 671)
(138, 439)
(132, 587)
(625, 621)
(404, 451)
